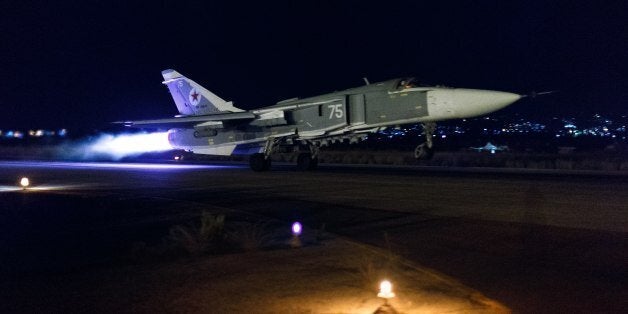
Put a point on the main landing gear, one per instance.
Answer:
(261, 161)
(307, 159)
(425, 151)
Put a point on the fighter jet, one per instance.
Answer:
(207, 124)
(490, 147)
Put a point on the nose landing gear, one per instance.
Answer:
(425, 151)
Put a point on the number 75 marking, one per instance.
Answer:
(336, 110)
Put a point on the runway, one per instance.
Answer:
(538, 242)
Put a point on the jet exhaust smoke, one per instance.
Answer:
(123, 145)
(102, 146)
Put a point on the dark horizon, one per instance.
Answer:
(85, 65)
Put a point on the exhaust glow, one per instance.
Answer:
(119, 146)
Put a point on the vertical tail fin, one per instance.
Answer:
(193, 99)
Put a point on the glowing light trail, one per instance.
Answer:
(111, 165)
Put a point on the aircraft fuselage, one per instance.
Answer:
(348, 114)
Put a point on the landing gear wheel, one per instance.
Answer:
(425, 151)
(313, 164)
(422, 152)
(258, 162)
(305, 162)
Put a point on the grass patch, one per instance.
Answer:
(196, 240)
(251, 236)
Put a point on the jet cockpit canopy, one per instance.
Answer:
(410, 82)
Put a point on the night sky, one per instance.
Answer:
(84, 64)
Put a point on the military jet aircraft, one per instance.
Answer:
(207, 124)
(490, 147)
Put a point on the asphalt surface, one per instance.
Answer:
(536, 241)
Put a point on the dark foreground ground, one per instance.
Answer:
(538, 242)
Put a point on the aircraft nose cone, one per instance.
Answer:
(475, 102)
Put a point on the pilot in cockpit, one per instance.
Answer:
(408, 83)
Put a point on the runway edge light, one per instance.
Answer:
(297, 229)
(385, 290)
(24, 182)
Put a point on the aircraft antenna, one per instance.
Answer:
(366, 80)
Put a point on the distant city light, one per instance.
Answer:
(32, 133)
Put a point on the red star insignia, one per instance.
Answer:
(195, 96)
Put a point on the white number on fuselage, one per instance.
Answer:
(336, 110)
